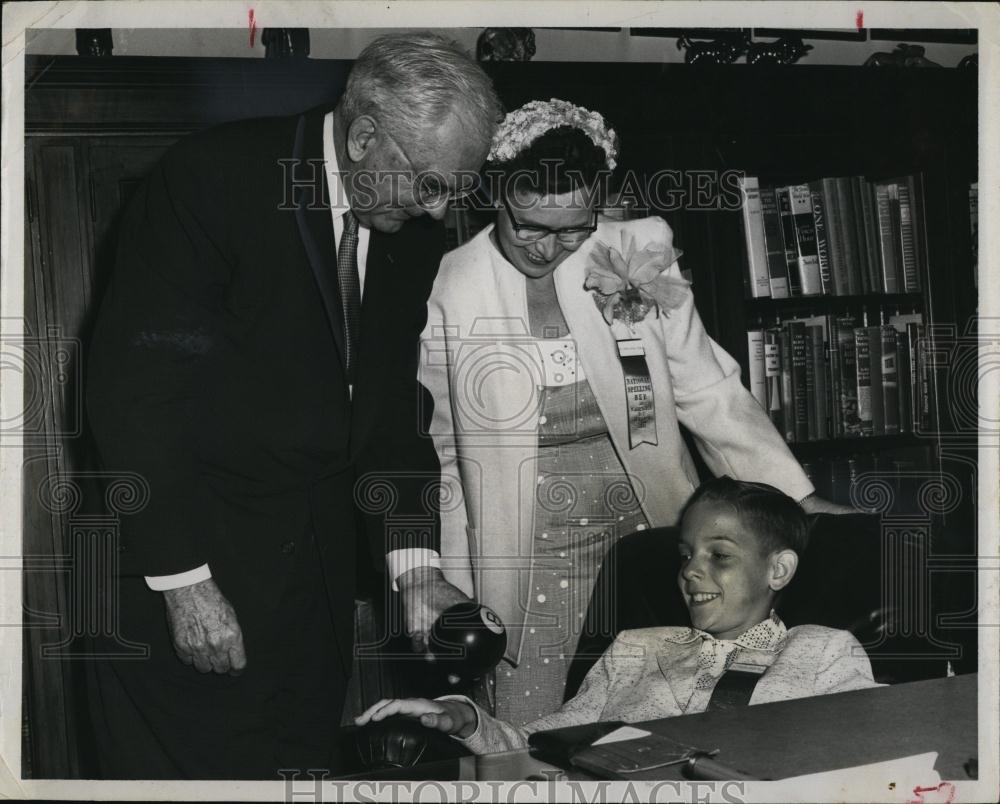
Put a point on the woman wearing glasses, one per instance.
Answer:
(563, 351)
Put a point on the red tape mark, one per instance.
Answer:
(859, 19)
(946, 789)
(253, 28)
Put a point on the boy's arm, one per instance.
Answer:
(843, 666)
(492, 734)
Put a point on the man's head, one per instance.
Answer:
(413, 127)
(740, 544)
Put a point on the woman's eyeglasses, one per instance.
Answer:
(568, 236)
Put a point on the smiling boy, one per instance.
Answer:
(740, 544)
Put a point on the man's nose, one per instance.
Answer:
(548, 246)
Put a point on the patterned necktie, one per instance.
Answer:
(350, 288)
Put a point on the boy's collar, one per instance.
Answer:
(767, 635)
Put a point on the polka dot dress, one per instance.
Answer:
(584, 503)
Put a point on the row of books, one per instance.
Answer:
(841, 236)
(835, 376)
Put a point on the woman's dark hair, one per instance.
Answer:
(777, 520)
(557, 162)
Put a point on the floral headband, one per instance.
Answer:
(523, 126)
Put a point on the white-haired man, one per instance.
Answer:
(255, 360)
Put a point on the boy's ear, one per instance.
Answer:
(783, 566)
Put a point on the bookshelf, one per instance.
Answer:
(794, 125)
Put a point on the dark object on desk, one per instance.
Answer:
(559, 745)
(466, 641)
(845, 579)
(704, 768)
(623, 758)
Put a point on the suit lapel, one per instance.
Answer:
(679, 664)
(312, 214)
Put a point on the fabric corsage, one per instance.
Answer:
(629, 283)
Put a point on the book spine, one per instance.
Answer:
(822, 237)
(887, 252)
(905, 387)
(820, 407)
(919, 216)
(849, 415)
(788, 235)
(835, 237)
(755, 352)
(866, 271)
(800, 393)
(787, 398)
(759, 282)
(869, 217)
(890, 380)
(772, 374)
(875, 368)
(812, 420)
(807, 258)
(845, 202)
(777, 266)
(920, 377)
(836, 428)
(907, 237)
(862, 351)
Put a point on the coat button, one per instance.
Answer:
(288, 548)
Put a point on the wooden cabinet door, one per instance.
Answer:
(76, 188)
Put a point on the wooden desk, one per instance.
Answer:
(790, 738)
(809, 735)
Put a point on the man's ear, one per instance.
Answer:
(783, 564)
(361, 136)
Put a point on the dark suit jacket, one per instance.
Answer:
(216, 372)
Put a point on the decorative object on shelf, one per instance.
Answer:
(969, 62)
(787, 50)
(285, 43)
(505, 44)
(903, 56)
(94, 42)
(724, 50)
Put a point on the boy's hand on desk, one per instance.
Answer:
(451, 717)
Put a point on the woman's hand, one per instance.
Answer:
(817, 505)
(451, 717)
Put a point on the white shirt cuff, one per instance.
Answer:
(163, 583)
(401, 561)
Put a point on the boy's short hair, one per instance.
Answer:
(777, 520)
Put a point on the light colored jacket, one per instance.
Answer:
(484, 371)
(649, 674)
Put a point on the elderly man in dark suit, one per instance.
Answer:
(254, 358)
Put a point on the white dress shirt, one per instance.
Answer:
(398, 561)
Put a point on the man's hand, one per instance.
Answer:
(205, 629)
(817, 505)
(451, 717)
(426, 594)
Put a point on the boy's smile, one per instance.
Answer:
(727, 581)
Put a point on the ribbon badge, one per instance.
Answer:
(627, 285)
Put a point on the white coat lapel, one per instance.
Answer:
(679, 664)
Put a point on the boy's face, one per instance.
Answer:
(727, 581)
